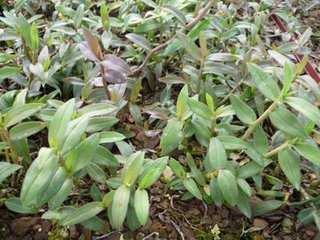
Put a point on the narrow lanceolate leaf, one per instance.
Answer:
(289, 76)
(153, 174)
(6, 169)
(192, 187)
(20, 99)
(217, 157)
(17, 114)
(171, 137)
(308, 151)
(139, 40)
(61, 195)
(8, 72)
(244, 186)
(74, 135)
(109, 137)
(177, 13)
(264, 207)
(190, 47)
(134, 167)
(177, 168)
(26, 129)
(199, 109)
(306, 108)
(141, 205)
(287, 122)
(231, 142)
(82, 214)
(290, 164)
(119, 206)
(264, 82)
(242, 110)
(38, 177)
(82, 155)
(196, 173)
(182, 104)
(228, 186)
(59, 123)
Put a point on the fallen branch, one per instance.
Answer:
(201, 14)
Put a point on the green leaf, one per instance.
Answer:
(177, 168)
(264, 207)
(189, 46)
(232, 143)
(101, 123)
(199, 109)
(104, 157)
(192, 187)
(38, 177)
(17, 114)
(119, 206)
(182, 104)
(133, 169)
(249, 170)
(305, 107)
(171, 137)
(289, 76)
(107, 199)
(96, 173)
(59, 123)
(20, 99)
(74, 135)
(242, 110)
(290, 164)
(244, 204)
(177, 13)
(287, 122)
(14, 204)
(264, 82)
(260, 140)
(34, 38)
(97, 109)
(216, 156)
(104, 13)
(110, 137)
(82, 155)
(6, 169)
(141, 205)
(83, 213)
(244, 186)
(215, 192)
(26, 129)
(228, 186)
(61, 195)
(196, 173)
(139, 40)
(8, 72)
(153, 174)
(55, 184)
(308, 151)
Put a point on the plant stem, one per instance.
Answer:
(260, 120)
(277, 149)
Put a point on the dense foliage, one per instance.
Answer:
(100, 100)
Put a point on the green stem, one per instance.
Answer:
(260, 120)
(277, 149)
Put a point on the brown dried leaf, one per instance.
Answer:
(93, 44)
(112, 62)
